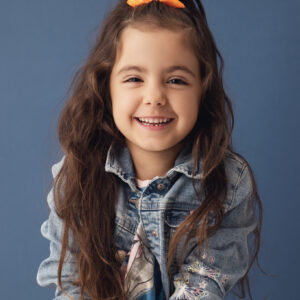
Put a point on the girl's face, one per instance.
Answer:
(155, 77)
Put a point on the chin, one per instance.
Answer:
(154, 148)
(157, 148)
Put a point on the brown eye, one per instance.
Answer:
(178, 81)
(132, 79)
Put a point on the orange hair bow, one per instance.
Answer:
(174, 3)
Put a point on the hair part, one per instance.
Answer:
(86, 130)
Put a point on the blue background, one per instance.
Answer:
(42, 45)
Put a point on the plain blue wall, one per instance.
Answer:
(43, 43)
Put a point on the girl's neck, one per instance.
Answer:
(149, 164)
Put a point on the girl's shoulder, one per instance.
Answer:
(235, 163)
(239, 177)
(235, 158)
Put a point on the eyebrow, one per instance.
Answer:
(168, 70)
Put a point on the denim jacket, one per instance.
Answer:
(161, 207)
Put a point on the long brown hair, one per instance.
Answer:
(85, 195)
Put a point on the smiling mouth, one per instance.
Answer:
(156, 124)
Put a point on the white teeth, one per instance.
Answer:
(151, 120)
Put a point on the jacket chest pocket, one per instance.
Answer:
(124, 234)
(173, 219)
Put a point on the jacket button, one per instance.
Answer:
(160, 186)
(154, 233)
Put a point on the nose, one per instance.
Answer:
(154, 94)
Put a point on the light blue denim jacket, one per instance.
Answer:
(161, 207)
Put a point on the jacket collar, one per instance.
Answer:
(119, 162)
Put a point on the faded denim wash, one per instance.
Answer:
(161, 207)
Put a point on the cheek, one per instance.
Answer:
(123, 110)
(188, 109)
(191, 115)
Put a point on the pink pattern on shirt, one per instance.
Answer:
(135, 252)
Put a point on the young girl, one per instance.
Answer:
(150, 201)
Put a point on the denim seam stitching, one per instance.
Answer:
(236, 186)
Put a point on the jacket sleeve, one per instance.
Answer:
(211, 275)
(52, 230)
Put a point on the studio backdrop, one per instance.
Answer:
(43, 43)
